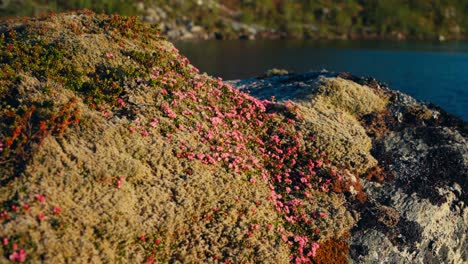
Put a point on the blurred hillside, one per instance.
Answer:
(394, 19)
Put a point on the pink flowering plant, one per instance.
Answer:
(238, 132)
(153, 94)
(241, 134)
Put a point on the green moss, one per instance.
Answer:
(155, 124)
(358, 100)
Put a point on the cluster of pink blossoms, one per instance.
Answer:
(237, 132)
(232, 135)
(19, 255)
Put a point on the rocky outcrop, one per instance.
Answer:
(179, 26)
(113, 148)
(412, 159)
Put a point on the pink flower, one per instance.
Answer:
(254, 227)
(319, 163)
(144, 133)
(284, 238)
(121, 102)
(322, 214)
(168, 111)
(5, 241)
(119, 182)
(109, 55)
(57, 210)
(40, 198)
(187, 113)
(314, 248)
(154, 123)
(150, 260)
(269, 227)
(40, 217)
(19, 256)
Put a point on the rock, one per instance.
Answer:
(236, 26)
(218, 35)
(186, 35)
(173, 34)
(275, 72)
(196, 29)
(416, 212)
(161, 13)
(251, 30)
(140, 6)
(246, 37)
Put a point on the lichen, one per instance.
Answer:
(138, 157)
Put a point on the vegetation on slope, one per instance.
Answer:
(297, 18)
(114, 148)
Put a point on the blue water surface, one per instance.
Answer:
(432, 72)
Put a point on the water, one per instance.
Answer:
(432, 72)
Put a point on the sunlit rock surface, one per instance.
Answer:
(415, 211)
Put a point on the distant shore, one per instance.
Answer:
(208, 19)
(224, 23)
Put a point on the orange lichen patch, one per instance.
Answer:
(377, 124)
(346, 182)
(333, 251)
(378, 174)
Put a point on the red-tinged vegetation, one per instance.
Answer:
(378, 174)
(333, 251)
(348, 183)
(28, 128)
(144, 89)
